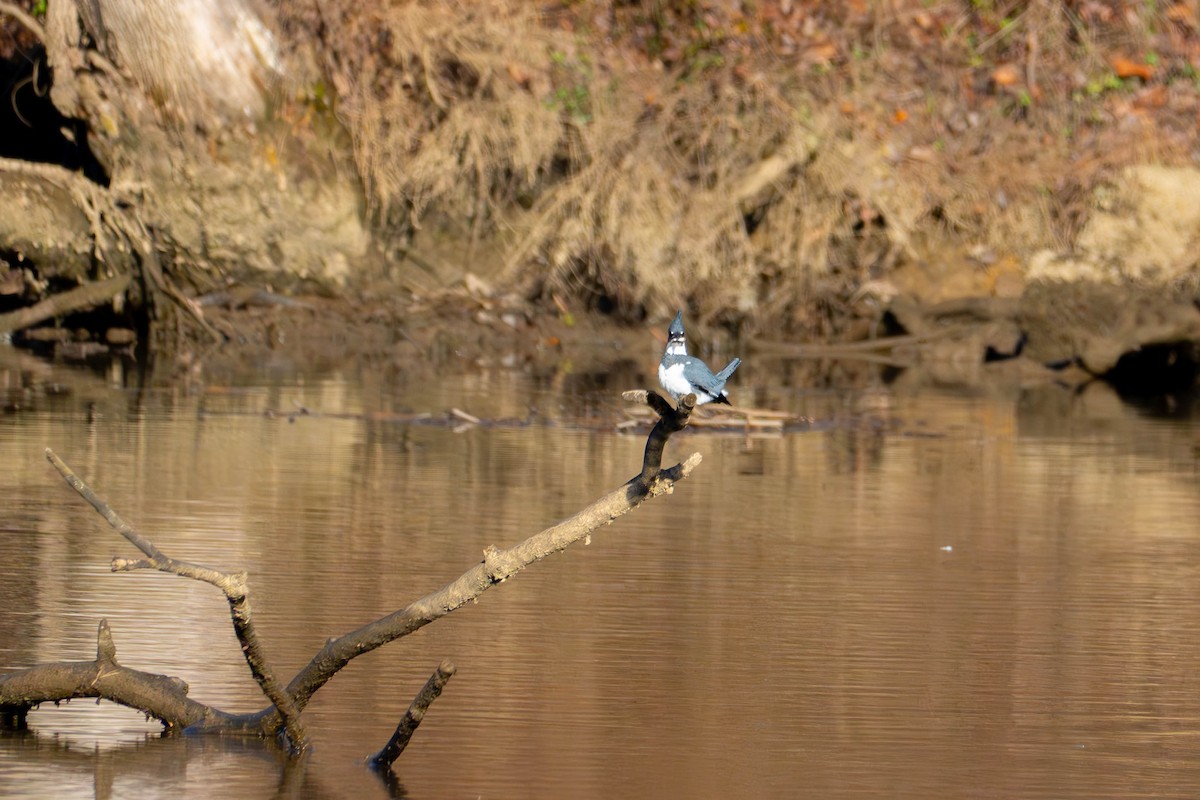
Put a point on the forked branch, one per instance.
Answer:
(232, 585)
(165, 698)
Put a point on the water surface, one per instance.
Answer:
(927, 594)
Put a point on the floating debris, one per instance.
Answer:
(733, 419)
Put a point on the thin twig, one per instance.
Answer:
(412, 718)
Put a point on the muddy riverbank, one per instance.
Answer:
(995, 181)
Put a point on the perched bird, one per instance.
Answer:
(681, 374)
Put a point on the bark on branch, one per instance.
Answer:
(159, 696)
(412, 718)
(670, 420)
(232, 585)
(166, 698)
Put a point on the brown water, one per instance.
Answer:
(934, 595)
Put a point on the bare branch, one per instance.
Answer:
(497, 566)
(233, 585)
(158, 696)
(412, 718)
(165, 698)
(670, 420)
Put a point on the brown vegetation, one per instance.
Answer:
(763, 164)
(760, 162)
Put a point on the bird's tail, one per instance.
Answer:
(724, 374)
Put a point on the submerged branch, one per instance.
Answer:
(165, 698)
(159, 696)
(412, 718)
(233, 585)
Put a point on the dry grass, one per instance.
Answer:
(442, 107)
(751, 165)
(652, 218)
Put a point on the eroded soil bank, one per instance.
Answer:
(987, 181)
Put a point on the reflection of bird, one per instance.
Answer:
(680, 374)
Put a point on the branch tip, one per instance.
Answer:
(106, 648)
(432, 689)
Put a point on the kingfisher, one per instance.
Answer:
(681, 374)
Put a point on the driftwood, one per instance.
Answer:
(165, 698)
(83, 297)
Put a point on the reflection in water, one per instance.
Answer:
(929, 597)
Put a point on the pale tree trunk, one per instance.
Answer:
(216, 172)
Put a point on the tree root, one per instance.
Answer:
(81, 298)
(75, 229)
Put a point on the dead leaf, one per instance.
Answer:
(822, 53)
(1151, 97)
(519, 75)
(1125, 68)
(1006, 75)
(1182, 12)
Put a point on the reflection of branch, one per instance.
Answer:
(233, 585)
(412, 718)
(168, 763)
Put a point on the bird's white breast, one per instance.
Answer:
(673, 381)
